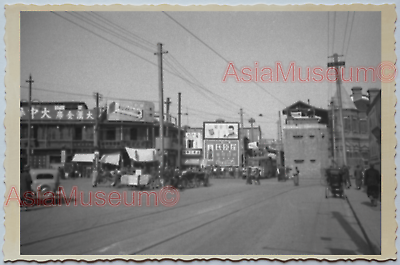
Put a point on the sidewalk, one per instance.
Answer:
(368, 216)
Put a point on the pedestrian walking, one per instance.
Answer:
(25, 184)
(358, 177)
(346, 176)
(373, 182)
(296, 176)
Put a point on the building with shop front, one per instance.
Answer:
(60, 130)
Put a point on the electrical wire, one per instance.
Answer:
(351, 28)
(345, 31)
(219, 55)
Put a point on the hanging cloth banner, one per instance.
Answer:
(141, 155)
(112, 159)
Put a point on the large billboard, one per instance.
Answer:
(221, 130)
(221, 152)
(130, 111)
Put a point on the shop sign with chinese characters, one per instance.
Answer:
(52, 112)
(221, 152)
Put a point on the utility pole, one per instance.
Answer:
(333, 132)
(241, 132)
(96, 131)
(337, 65)
(167, 103)
(28, 150)
(161, 97)
(279, 139)
(179, 131)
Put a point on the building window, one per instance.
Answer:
(78, 133)
(133, 134)
(110, 134)
(347, 126)
(312, 136)
(298, 161)
(355, 125)
(190, 144)
(312, 160)
(363, 126)
(297, 136)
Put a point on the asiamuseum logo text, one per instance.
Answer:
(385, 72)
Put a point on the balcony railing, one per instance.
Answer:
(122, 144)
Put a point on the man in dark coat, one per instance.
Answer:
(25, 182)
(372, 181)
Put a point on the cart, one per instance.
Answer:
(334, 183)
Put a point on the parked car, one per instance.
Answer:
(44, 180)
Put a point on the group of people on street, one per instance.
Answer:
(372, 181)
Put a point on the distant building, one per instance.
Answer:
(374, 124)
(306, 139)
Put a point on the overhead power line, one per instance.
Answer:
(345, 31)
(123, 29)
(351, 28)
(219, 55)
(101, 27)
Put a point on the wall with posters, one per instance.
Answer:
(217, 130)
(221, 152)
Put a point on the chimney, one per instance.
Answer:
(372, 93)
(357, 93)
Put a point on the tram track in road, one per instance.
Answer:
(128, 217)
(159, 240)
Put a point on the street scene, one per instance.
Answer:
(201, 133)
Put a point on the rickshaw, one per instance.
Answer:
(334, 183)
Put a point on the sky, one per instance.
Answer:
(72, 55)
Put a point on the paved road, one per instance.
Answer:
(227, 218)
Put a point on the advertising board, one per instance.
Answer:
(218, 130)
(221, 152)
(130, 111)
(54, 112)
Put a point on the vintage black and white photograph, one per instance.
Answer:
(201, 133)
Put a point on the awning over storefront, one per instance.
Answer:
(87, 158)
(112, 159)
(141, 155)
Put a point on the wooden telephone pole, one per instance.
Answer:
(337, 66)
(161, 106)
(28, 150)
